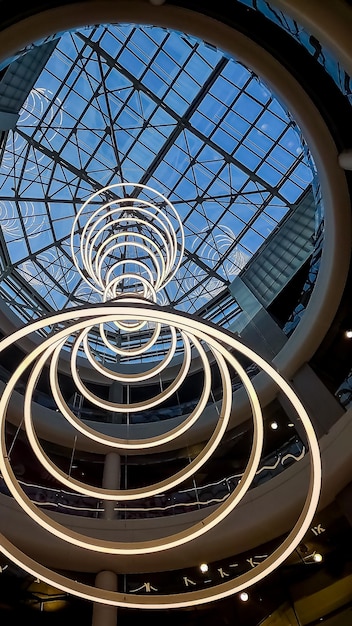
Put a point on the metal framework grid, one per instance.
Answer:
(124, 103)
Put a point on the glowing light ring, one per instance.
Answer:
(148, 293)
(125, 243)
(125, 262)
(156, 488)
(129, 378)
(136, 406)
(128, 351)
(159, 544)
(89, 250)
(159, 267)
(138, 444)
(216, 337)
(167, 228)
(86, 247)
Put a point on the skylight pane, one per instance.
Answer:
(129, 103)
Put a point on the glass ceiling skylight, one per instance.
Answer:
(142, 104)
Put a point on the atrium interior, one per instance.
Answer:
(190, 163)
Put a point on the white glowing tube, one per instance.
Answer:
(221, 342)
(109, 232)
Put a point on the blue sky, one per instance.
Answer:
(123, 103)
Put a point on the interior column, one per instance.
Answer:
(111, 480)
(104, 615)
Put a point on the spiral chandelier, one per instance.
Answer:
(127, 248)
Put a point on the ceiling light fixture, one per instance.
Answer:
(128, 302)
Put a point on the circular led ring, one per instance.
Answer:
(131, 378)
(104, 251)
(91, 250)
(138, 262)
(151, 490)
(129, 351)
(125, 186)
(108, 296)
(115, 407)
(223, 589)
(166, 542)
(87, 249)
(125, 243)
(103, 439)
(148, 294)
(181, 429)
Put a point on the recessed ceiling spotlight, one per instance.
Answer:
(290, 425)
(244, 596)
(274, 425)
(203, 568)
(317, 557)
(348, 333)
